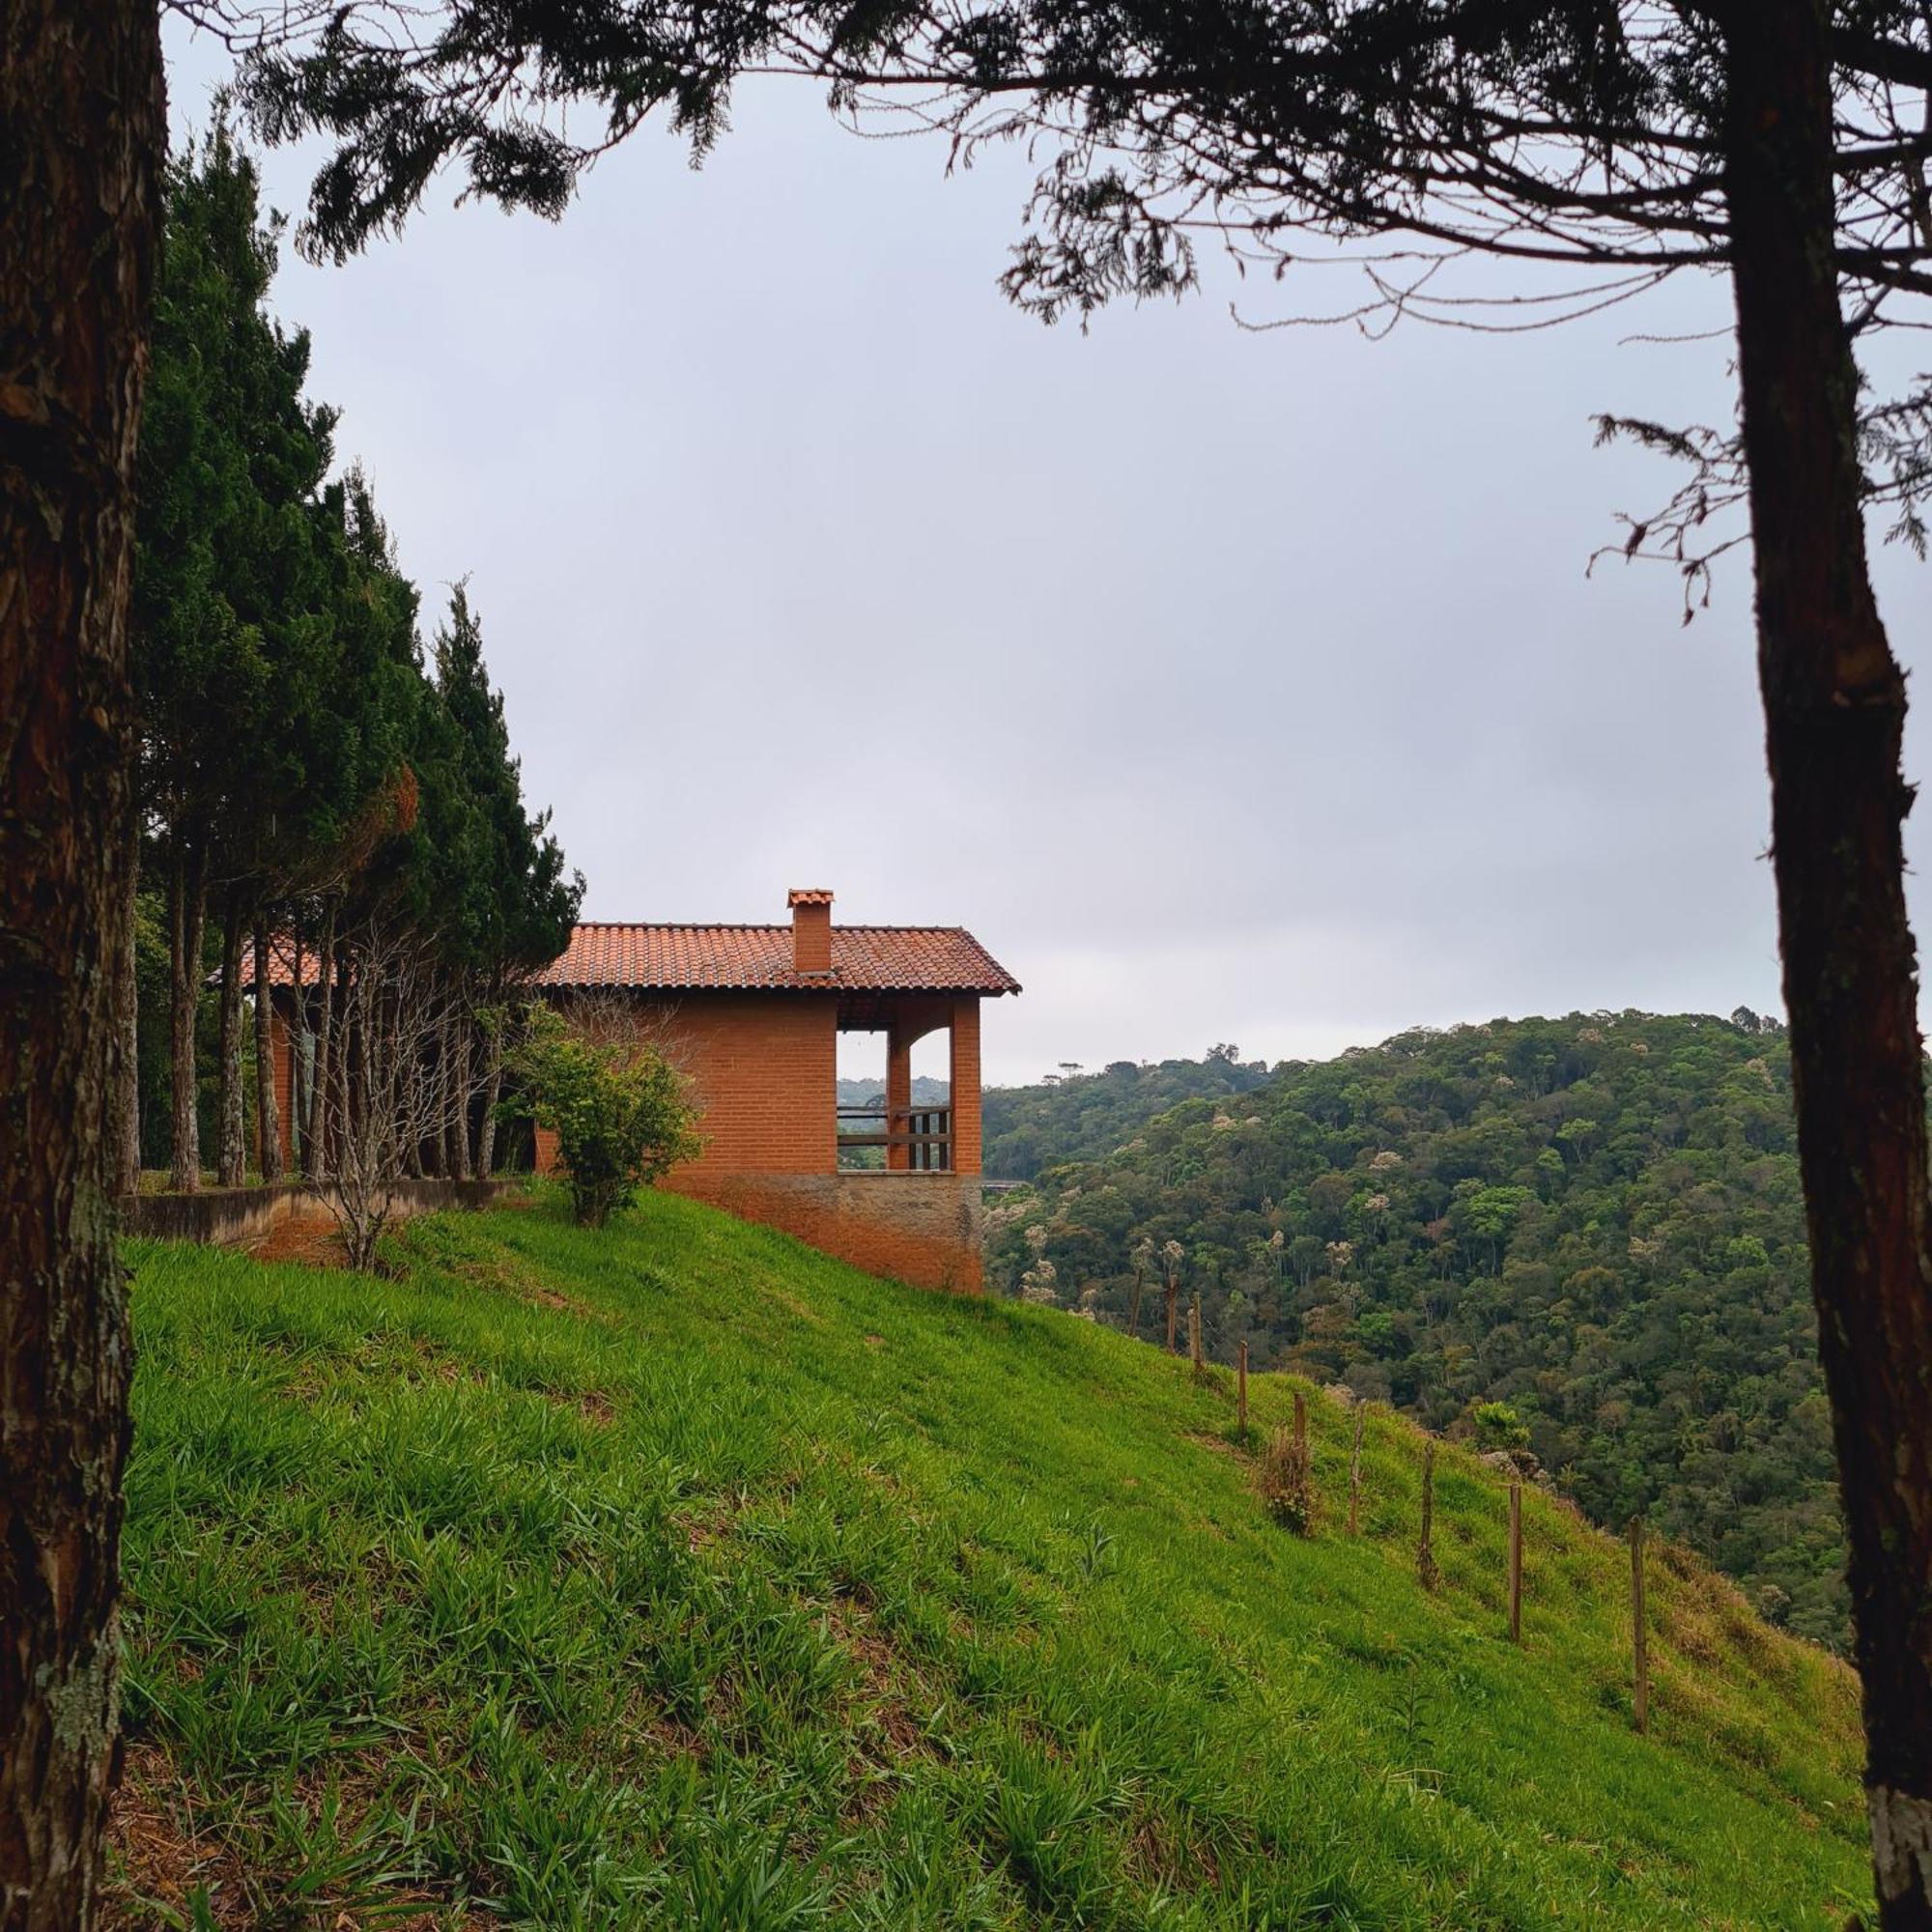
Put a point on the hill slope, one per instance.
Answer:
(1594, 1219)
(1083, 1116)
(677, 1576)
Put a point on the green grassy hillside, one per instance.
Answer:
(676, 1575)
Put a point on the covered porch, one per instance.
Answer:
(895, 1132)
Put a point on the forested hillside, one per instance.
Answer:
(1595, 1221)
(1076, 1116)
(926, 1092)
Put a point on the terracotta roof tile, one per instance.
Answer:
(281, 965)
(690, 959)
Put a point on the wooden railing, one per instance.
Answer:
(925, 1133)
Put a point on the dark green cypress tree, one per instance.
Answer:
(233, 634)
(522, 903)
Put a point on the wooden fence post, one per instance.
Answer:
(1173, 1304)
(1194, 1330)
(1425, 1551)
(1639, 1636)
(1515, 1563)
(1355, 1475)
(1300, 1422)
(1241, 1388)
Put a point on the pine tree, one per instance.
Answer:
(231, 631)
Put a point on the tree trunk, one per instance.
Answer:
(267, 1100)
(428, 1032)
(492, 1094)
(81, 133)
(188, 906)
(314, 1146)
(128, 1033)
(1834, 714)
(301, 1083)
(231, 1112)
(456, 1127)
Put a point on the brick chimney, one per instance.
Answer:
(810, 930)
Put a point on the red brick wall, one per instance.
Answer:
(920, 1228)
(764, 1068)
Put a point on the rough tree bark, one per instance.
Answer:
(187, 907)
(493, 1095)
(415, 1133)
(268, 1105)
(299, 1079)
(430, 1139)
(233, 1153)
(1834, 715)
(461, 1090)
(315, 1145)
(81, 133)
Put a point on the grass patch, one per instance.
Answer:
(678, 1575)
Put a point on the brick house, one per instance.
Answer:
(752, 1014)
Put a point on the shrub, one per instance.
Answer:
(1286, 1480)
(1498, 1426)
(617, 1107)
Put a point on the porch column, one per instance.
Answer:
(899, 1093)
(966, 1086)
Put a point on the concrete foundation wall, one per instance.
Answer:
(226, 1214)
(921, 1228)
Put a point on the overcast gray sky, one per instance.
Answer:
(1228, 686)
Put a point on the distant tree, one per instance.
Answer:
(1143, 1259)
(1041, 1284)
(1173, 1257)
(1488, 1213)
